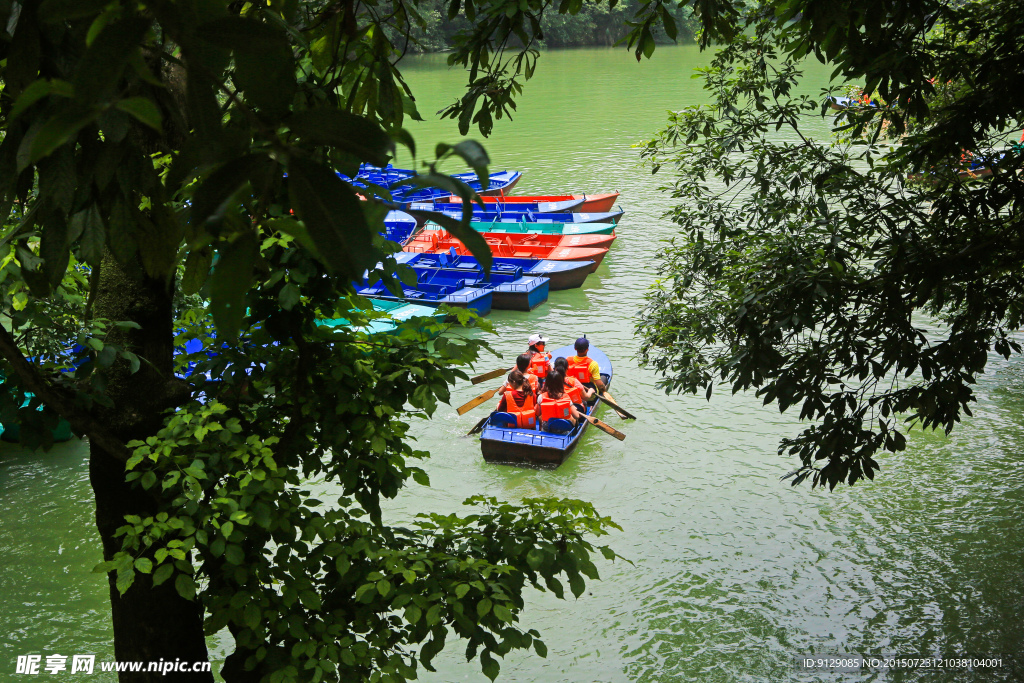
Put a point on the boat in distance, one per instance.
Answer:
(388, 177)
(593, 203)
(501, 205)
(524, 251)
(500, 443)
(560, 274)
(512, 216)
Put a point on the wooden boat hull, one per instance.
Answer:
(476, 300)
(525, 294)
(533, 447)
(426, 240)
(519, 251)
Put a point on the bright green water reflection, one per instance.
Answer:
(733, 573)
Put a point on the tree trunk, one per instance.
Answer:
(150, 624)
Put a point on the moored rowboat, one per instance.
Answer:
(560, 274)
(512, 250)
(428, 239)
(500, 443)
(593, 203)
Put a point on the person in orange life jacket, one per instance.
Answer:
(523, 366)
(554, 401)
(577, 392)
(584, 368)
(540, 363)
(519, 400)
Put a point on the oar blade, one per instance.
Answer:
(606, 428)
(479, 426)
(477, 401)
(489, 375)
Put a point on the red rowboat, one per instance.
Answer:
(426, 244)
(429, 238)
(592, 203)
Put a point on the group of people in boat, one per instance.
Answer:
(542, 389)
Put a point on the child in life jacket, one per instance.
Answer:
(540, 360)
(578, 393)
(554, 402)
(523, 366)
(518, 399)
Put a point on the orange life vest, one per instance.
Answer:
(551, 408)
(526, 415)
(579, 367)
(532, 379)
(539, 364)
(574, 389)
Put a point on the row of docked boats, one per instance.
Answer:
(539, 244)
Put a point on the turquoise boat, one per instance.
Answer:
(531, 228)
(11, 431)
(398, 312)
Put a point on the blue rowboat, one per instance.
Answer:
(560, 274)
(516, 216)
(500, 183)
(397, 311)
(399, 226)
(500, 442)
(499, 206)
(512, 290)
(457, 293)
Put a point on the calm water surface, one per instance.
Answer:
(733, 574)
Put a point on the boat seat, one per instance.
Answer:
(507, 420)
(522, 254)
(557, 425)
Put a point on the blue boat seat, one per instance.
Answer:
(558, 426)
(506, 420)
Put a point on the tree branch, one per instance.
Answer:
(81, 422)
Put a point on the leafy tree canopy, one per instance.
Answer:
(866, 279)
(168, 174)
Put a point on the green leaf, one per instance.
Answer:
(503, 613)
(359, 136)
(162, 573)
(230, 282)
(253, 615)
(483, 607)
(333, 217)
(185, 586)
(144, 110)
(540, 647)
(461, 590)
(576, 584)
(197, 269)
(93, 235)
(474, 155)
(218, 189)
(144, 565)
(489, 665)
(54, 133)
(264, 65)
(36, 91)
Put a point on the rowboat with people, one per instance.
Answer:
(503, 441)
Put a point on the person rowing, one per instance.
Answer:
(540, 360)
(584, 368)
(518, 400)
(554, 402)
(575, 388)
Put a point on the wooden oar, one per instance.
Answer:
(490, 375)
(623, 413)
(477, 401)
(605, 428)
(479, 425)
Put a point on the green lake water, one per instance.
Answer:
(733, 573)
